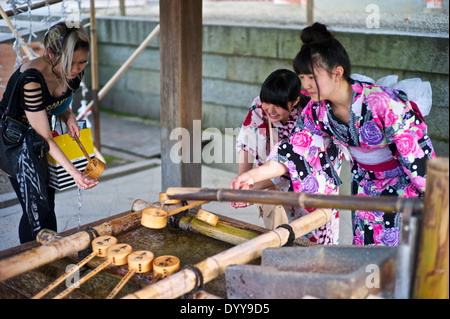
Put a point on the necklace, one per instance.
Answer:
(57, 77)
(62, 87)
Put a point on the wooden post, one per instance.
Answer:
(432, 271)
(181, 88)
(31, 6)
(94, 76)
(122, 7)
(22, 43)
(309, 12)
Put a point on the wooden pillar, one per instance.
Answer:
(432, 271)
(181, 90)
(309, 12)
(122, 7)
(94, 75)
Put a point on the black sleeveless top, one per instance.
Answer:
(35, 100)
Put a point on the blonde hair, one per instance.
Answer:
(62, 42)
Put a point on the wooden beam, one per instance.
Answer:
(94, 75)
(181, 88)
(309, 12)
(432, 268)
(24, 8)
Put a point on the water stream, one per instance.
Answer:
(80, 204)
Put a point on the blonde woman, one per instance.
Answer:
(37, 90)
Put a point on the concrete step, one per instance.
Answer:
(319, 271)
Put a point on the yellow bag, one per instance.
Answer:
(59, 178)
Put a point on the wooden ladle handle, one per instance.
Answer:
(75, 137)
(86, 154)
(183, 208)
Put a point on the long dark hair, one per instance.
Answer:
(321, 49)
(281, 87)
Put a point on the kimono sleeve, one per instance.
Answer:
(253, 134)
(308, 162)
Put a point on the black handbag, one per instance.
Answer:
(14, 137)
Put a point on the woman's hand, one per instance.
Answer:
(243, 181)
(84, 182)
(71, 122)
(264, 172)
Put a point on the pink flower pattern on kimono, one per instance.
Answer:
(301, 142)
(377, 233)
(390, 118)
(366, 215)
(407, 145)
(379, 117)
(379, 103)
(410, 191)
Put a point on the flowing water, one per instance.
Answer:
(80, 204)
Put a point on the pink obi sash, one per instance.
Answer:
(376, 160)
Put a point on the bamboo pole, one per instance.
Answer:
(45, 254)
(184, 281)
(32, 6)
(94, 76)
(224, 231)
(122, 69)
(122, 7)
(432, 272)
(388, 204)
(24, 46)
(55, 248)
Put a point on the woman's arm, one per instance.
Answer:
(37, 117)
(71, 122)
(246, 164)
(39, 122)
(264, 172)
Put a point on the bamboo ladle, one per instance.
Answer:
(156, 218)
(95, 166)
(116, 255)
(138, 262)
(99, 247)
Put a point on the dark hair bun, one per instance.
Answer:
(316, 33)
